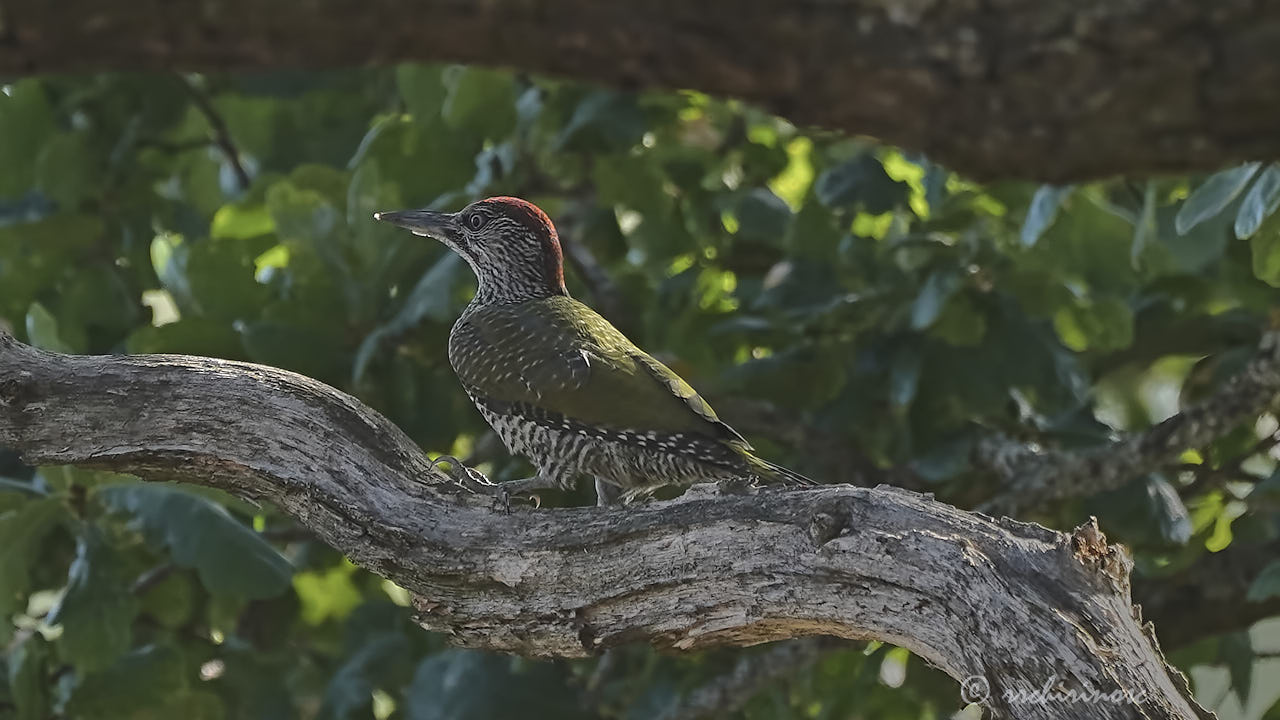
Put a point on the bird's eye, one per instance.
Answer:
(476, 221)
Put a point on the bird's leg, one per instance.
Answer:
(607, 493)
(638, 493)
(466, 477)
(735, 485)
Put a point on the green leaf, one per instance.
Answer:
(66, 169)
(1236, 650)
(861, 181)
(904, 376)
(189, 335)
(302, 348)
(302, 215)
(933, 297)
(431, 297)
(763, 217)
(22, 531)
(26, 122)
(798, 377)
(28, 684)
(42, 329)
(1145, 225)
(1265, 250)
(348, 694)
(1101, 325)
(169, 261)
(327, 595)
(229, 557)
(1169, 511)
(422, 90)
(1259, 203)
(140, 681)
(242, 222)
(1267, 584)
(480, 100)
(604, 121)
(631, 181)
(1040, 215)
(376, 243)
(961, 322)
(221, 277)
(171, 601)
(1213, 196)
(472, 685)
(96, 610)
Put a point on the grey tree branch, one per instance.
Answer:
(1054, 91)
(1012, 603)
(1037, 476)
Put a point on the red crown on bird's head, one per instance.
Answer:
(533, 218)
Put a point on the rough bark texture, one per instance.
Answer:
(1053, 91)
(1014, 604)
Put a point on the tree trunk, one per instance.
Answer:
(1035, 623)
(1054, 91)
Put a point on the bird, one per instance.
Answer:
(558, 383)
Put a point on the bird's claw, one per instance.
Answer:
(502, 498)
(465, 477)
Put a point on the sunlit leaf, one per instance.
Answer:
(239, 222)
(1044, 208)
(1259, 203)
(933, 297)
(1213, 196)
(1265, 249)
(42, 329)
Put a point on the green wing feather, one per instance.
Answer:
(560, 355)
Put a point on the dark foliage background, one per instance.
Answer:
(860, 313)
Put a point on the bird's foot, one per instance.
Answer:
(506, 491)
(465, 477)
(736, 486)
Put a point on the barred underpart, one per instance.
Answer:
(564, 449)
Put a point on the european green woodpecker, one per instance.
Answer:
(559, 384)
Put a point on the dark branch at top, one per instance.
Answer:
(1056, 92)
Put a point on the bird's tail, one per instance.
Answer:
(771, 472)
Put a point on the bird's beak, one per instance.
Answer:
(427, 223)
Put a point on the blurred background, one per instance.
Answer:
(860, 313)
